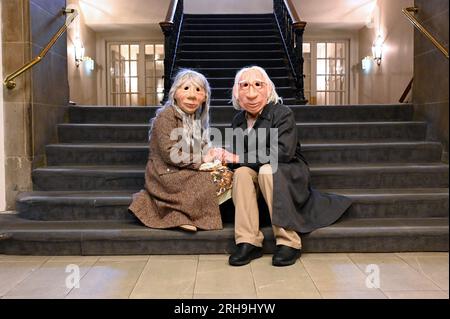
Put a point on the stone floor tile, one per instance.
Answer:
(433, 266)
(217, 277)
(167, 277)
(53, 280)
(395, 273)
(416, 294)
(109, 280)
(336, 272)
(281, 281)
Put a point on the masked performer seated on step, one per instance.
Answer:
(271, 163)
(185, 180)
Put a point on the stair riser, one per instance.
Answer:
(224, 101)
(314, 155)
(227, 33)
(249, 17)
(231, 72)
(245, 40)
(395, 207)
(117, 134)
(223, 93)
(199, 64)
(232, 47)
(24, 244)
(229, 82)
(303, 114)
(56, 181)
(200, 21)
(230, 26)
(231, 55)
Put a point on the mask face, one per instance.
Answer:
(253, 92)
(190, 97)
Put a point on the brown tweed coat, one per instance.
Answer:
(175, 194)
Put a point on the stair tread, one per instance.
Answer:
(362, 106)
(306, 124)
(236, 51)
(11, 223)
(313, 168)
(88, 195)
(306, 145)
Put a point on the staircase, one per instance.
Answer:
(220, 45)
(375, 154)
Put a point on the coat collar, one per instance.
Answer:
(266, 114)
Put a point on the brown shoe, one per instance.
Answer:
(189, 228)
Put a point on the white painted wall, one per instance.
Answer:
(153, 35)
(228, 6)
(353, 39)
(2, 135)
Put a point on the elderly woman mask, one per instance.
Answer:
(189, 97)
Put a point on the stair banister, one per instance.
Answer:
(171, 28)
(291, 29)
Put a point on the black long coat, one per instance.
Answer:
(296, 205)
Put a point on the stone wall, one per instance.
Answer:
(430, 92)
(39, 102)
(2, 137)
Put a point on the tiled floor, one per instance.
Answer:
(401, 275)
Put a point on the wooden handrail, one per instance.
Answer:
(292, 12)
(407, 90)
(408, 12)
(170, 17)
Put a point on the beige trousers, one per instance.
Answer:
(246, 185)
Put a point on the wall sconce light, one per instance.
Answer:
(366, 63)
(79, 51)
(377, 49)
(90, 63)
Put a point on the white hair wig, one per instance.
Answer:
(273, 95)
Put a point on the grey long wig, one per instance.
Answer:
(202, 114)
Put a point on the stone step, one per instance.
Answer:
(224, 114)
(230, 33)
(210, 72)
(248, 39)
(138, 133)
(238, 54)
(367, 203)
(229, 82)
(243, 16)
(320, 153)
(369, 176)
(25, 237)
(227, 100)
(226, 93)
(230, 63)
(237, 26)
(230, 47)
(227, 20)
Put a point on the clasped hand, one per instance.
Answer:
(220, 154)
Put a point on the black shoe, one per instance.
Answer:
(285, 256)
(245, 254)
